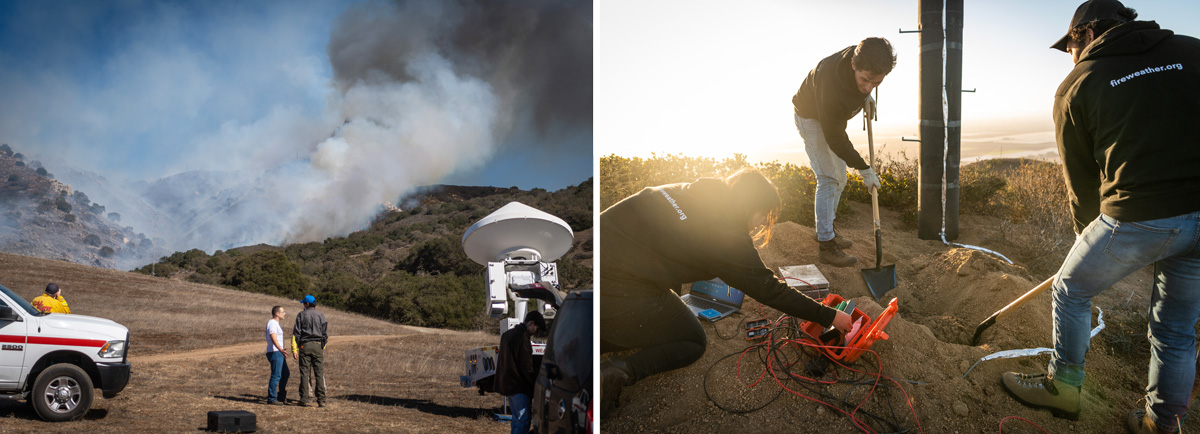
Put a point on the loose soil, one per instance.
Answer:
(944, 293)
(197, 348)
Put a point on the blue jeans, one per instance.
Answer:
(521, 406)
(1106, 252)
(279, 376)
(830, 171)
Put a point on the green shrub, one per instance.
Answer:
(268, 272)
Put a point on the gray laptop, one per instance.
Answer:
(713, 299)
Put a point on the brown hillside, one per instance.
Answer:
(197, 348)
(943, 294)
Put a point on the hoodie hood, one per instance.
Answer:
(1129, 38)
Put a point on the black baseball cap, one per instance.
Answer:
(1087, 12)
(52, 288)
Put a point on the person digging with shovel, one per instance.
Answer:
(1124, 121)
(831, 95)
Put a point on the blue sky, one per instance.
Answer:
(144, 89)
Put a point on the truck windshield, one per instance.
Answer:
(19, 301)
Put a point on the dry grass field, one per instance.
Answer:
(197, 348)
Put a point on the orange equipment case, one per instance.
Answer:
(872, 330)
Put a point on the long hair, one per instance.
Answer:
(753, 193)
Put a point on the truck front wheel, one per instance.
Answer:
(62, 392)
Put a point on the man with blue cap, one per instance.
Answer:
(311, 334)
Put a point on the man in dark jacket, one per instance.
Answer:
(515, 372)
(1125, 121)
(311, 334)
(831, 94)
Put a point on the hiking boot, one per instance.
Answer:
(1139, 423)
(833, 255)
(302, 403)
(842, 242)
(1041, 391)
(274, 402)
(612, 380)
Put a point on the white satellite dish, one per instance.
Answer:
(515, 227)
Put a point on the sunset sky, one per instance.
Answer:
(716, 77)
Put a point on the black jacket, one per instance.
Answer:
(311, 326)
(681, 233)
(515, 372)
(830, 95)
(1125, 120)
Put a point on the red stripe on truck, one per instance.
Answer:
(10, 339)
(38, 340)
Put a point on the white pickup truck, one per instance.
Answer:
(56, 361)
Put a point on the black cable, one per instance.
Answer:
(783, 362)
(735, 330)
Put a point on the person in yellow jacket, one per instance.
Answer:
(52, 301)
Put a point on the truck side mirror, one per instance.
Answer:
(7, 314)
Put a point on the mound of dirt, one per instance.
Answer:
(944, 293)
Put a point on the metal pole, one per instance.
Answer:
(933, 128)
(954, 52)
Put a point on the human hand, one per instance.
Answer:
(842, 322)
(869, 179)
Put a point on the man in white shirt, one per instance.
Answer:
(276, 356)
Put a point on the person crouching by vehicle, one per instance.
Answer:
(52, 301)
(665, 236)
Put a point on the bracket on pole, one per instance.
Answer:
(906, 139)
(909, 31)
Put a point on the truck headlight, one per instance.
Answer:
(113, 350)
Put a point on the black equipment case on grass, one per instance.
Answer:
(232, 421)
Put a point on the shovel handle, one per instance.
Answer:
(1042, 287)
(868, 113)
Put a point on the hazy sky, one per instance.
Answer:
(716, 77)
(147, 88)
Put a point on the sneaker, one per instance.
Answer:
(842, 242)
(1139, 423)
(274, 402)
(321, 404)
(612, 380)
(833, 255)
(302, 403)
(1042, 391)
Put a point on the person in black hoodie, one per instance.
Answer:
(831, 94)
(1124, 120)
(665, 236)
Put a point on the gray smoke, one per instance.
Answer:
(430, 88)
(420, 90)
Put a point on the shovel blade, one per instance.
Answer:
(880, 280)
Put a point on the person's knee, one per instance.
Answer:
(692, 351)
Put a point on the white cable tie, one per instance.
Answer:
(946, 155)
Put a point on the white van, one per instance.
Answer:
(56, 361)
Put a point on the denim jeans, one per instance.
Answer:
(830, 171)
(279, 376)
(1106, 252)
(521, 405)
